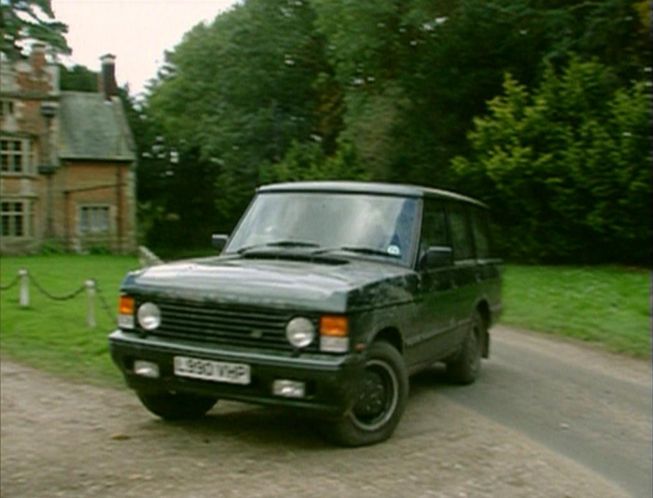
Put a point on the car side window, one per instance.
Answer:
(461, 236)
(481, 231)
(434, 226)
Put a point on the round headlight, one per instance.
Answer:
(300, 332)
(149, 316)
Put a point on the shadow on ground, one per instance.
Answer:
(272, 426)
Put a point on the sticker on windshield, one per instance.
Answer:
(394, 250)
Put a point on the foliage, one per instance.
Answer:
(309, 162)
(605, 305)
(28, 20)
(566, 167)
(235, 95)
(78, 78)
(286, 89)
(415, 73)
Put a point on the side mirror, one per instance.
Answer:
(437, 257)
(219, 240)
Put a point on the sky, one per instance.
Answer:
(137, 32)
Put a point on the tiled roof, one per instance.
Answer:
(93, 128)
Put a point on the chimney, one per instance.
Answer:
(108, 85)
(37, 57)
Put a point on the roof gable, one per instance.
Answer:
(92, 127)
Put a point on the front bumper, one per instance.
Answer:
(331, 380)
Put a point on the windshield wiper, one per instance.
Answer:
(360, 250)
(279, 243)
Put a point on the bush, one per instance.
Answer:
(307, 161)
(565, 167)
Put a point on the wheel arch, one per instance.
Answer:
(392, 336)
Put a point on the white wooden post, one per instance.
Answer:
(90, 312)
(24, 288)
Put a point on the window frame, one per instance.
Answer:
(94, 233)
(26, 214)
(26, 155)
(441, 204)
(7, 108)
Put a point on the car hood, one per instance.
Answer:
(335, 286)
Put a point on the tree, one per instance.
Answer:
(414, 73)
(309, 162)
(241, 90)
(284, 89)
(565, 167)
(25, 20)
(78, 78)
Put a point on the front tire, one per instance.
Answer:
(465, 367)
(382, 397)
(170, 406)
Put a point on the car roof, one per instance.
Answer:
(375, 188)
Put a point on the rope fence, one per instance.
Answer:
(65, 297)
(90, 286)
(11, 284)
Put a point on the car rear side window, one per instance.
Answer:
(481, 233)
(461, 238)
(434, 226)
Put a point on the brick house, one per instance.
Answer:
(67, 161)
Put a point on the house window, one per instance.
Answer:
(15, 156)
(94, 220)
(6, 108)
(15, 219)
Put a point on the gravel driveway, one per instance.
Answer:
(60, 438)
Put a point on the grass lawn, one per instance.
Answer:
(53, 334)
(606, 305)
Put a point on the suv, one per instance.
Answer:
(326, 297)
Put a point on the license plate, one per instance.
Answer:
(218, 371)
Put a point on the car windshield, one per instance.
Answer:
(373, 226)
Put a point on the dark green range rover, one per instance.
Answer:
(326, 297)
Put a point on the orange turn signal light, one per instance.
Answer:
(334, 326)
(126, 305)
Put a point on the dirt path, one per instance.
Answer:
(64, 439)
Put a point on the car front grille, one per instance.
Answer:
(225, 324)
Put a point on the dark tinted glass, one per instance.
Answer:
(481, 233)
(460, 234)
(434, 226)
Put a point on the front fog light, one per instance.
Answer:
(300, 332)
(149, 316)
(288, 388)
(334, 344)
(146, 369)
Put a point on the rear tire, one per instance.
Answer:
(465, 367)
(383, 394)
(176, 406)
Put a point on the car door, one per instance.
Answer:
(464, 272)
(487, 271)
(435, 300)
